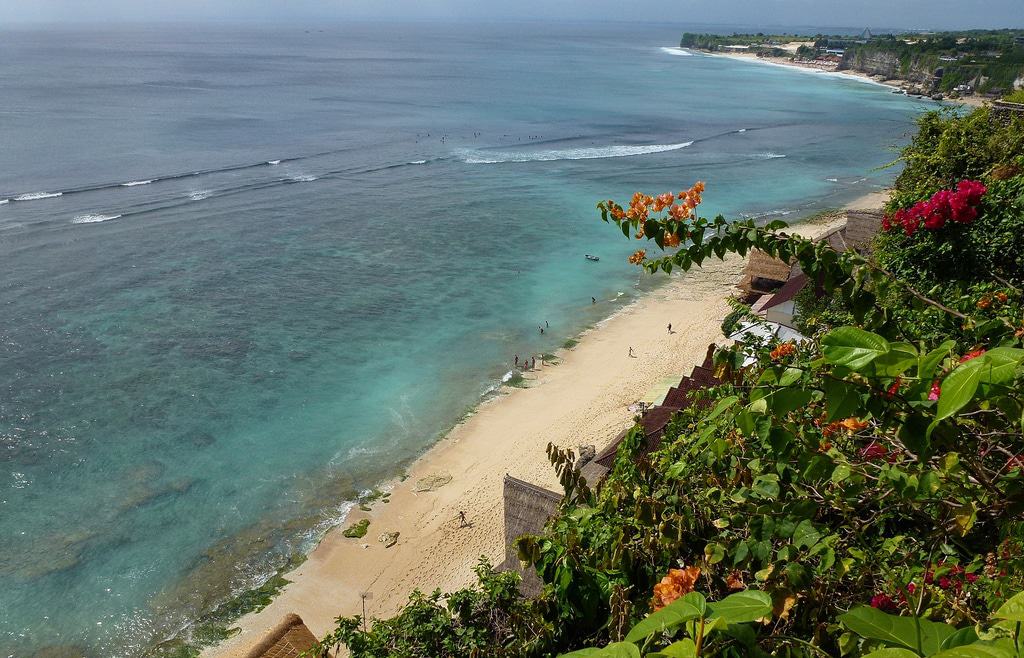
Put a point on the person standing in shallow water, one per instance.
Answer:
(593, 300)
(517, 360)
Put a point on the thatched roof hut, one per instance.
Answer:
(288, 639)
(527, 508)
(763, 273)
(861, 228)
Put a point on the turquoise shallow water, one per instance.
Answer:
(334, 242)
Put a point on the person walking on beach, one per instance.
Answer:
(631, 352)
(462, 520)
(670, 327)
(533, 363)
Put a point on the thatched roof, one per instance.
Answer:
(288, 639)
(763, 273)
(861, 228)
(527, 508)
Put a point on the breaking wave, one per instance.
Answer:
(588, 153)
(199, 195)
(273, 162)
(303, 178)
(37, 195)
(768, 156)
(3, 201)
(678, 52)
(417, 162)
(136, 183)
(92, 219)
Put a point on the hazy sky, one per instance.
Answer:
(929, 14)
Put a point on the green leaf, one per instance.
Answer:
(766, 486)
(1000, 364)
(720, 407)
(852, 348)
(959, 387)
(841, 399)
(892, 653)
(964, 636)
(583, 653)
(929, 362)
(896, 361)
(900, 631)
(805, 534)
(748, 605)
(683, 649)
(714, 553)
(620, 650)
(678, 612)
(977, 651)
(1012, 610)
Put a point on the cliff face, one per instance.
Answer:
(889, 64)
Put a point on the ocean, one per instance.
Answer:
(250, 271)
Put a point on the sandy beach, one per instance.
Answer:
(584, 399)
(895, 84)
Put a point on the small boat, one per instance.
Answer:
(594, 258)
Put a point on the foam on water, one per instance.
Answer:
(303, 178)
(273, 162)
(585, 153)
(3, 201)
(679, 52)
(93, 218)
(417, 162)
(33, 196)
(199, 195)
(768, 156)
(136, 183)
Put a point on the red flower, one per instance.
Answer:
(935, 392)
(883, 602)
(944, 582)
(959, 205)
(874, 450)
(971, 577)
(972, 355)
(911, 587)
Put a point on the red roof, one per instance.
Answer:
(787, 292)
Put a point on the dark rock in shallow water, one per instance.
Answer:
(198, 438)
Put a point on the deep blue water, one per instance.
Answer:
(197, 370)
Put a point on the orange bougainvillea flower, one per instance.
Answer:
(663, 201)
(853, 425)
(1001, 296)
(783, 350)
(698, 187)
(672, 240)
(680, 212)
(677, 583)
(984, 302)
(618, 212)
(638, 257)
(735, 580)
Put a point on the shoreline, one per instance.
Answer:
(584, 399)
(895, 84)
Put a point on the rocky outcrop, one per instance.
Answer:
(889, 64)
